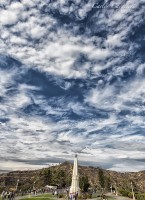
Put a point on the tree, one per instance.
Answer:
(107, 183)
(47, 176)
(59, 178)
(84, 183)
(101, 178)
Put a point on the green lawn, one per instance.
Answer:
(52, 197)
(40, 197)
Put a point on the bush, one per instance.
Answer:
(124, 193)
(85, 196)
(130, 194)
(89, 196)
(139, 196)
(61, 196)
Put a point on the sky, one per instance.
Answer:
(72, 80)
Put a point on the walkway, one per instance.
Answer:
(118, 197)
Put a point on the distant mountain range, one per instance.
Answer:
(61, 175)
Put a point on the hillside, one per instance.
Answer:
(61, 175)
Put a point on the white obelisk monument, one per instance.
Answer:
(74, 189)
(133, 196)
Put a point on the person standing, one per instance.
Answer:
(56, 193)
(3, 194)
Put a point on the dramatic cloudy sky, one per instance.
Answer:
(72, 80)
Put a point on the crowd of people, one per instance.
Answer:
(9, 195)
(73, 196)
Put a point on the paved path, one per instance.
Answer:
(117, 197)
(112, 196)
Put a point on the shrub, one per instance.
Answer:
(61, 196)
(84, 196)
(80, 197)
(124, 192)
(89, 196)
(130, 194)
(139, 196)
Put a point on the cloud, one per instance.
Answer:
(50, 53)
(72, 81)
(114, 40)
(8, 17)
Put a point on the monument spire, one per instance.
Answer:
(74, 189)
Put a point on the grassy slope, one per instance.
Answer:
(40, 197)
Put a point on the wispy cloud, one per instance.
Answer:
(72, 81)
